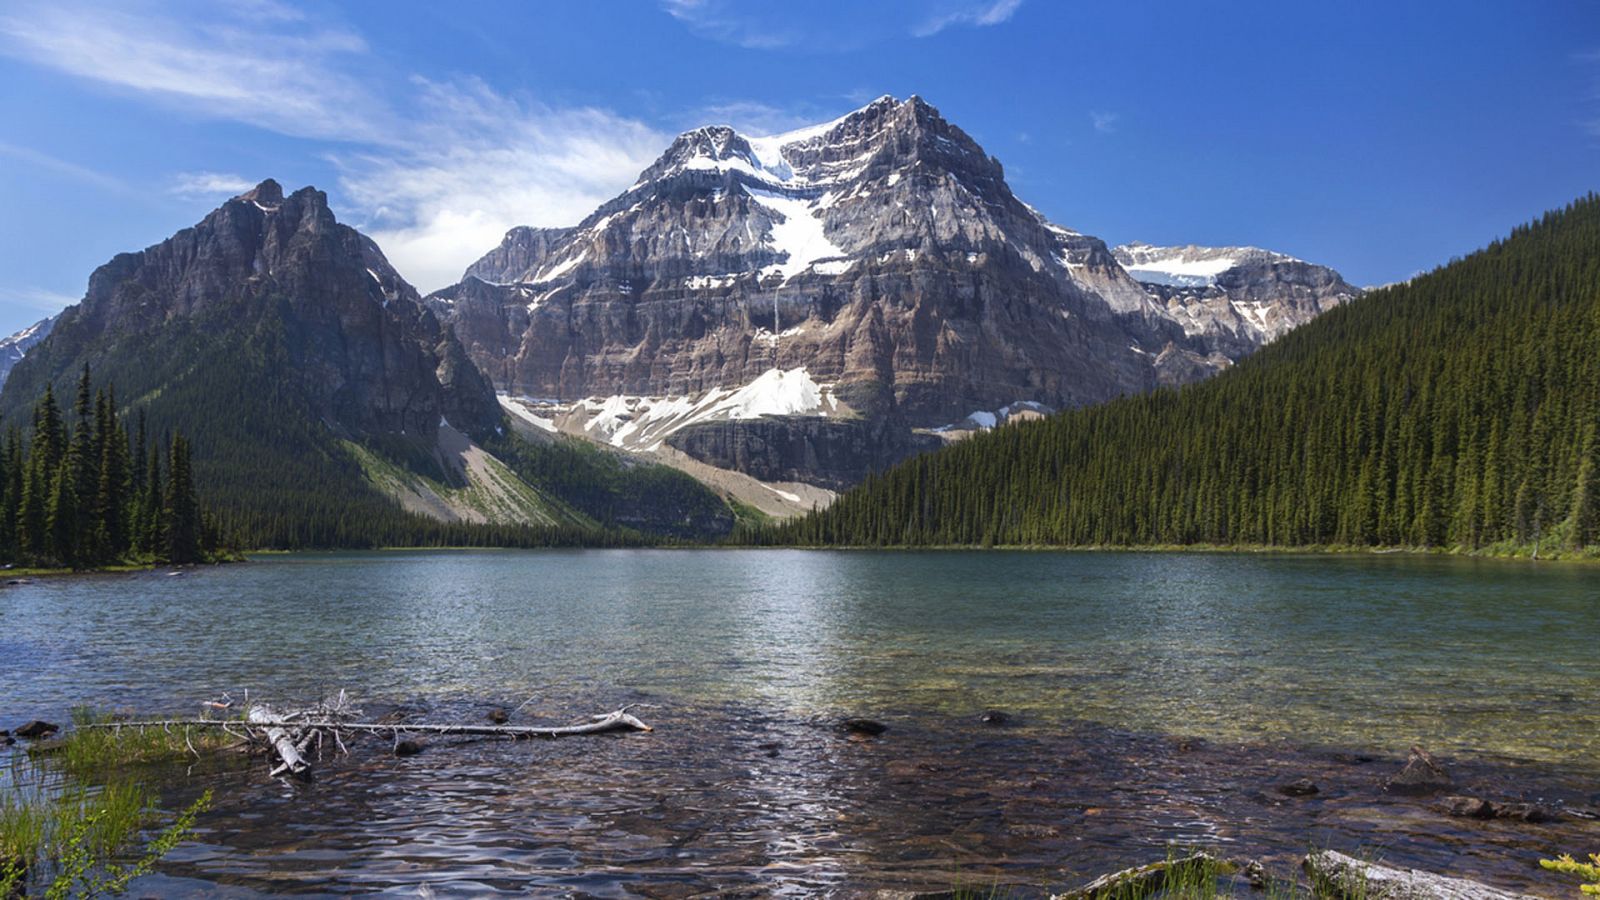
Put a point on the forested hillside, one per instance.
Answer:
(1456, 410)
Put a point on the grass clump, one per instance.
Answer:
(96, 749)
(74, 813)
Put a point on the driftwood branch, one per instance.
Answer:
(289, 736)
(620, 720)
(1339, 875)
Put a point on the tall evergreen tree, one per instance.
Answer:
(182, 511)
(1586, 492)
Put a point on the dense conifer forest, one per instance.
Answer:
(1457, 410)
(85, 491)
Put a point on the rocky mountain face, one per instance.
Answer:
(314, 384)
(13, 348)
(524, 249)
(361, 348)
(880, 258)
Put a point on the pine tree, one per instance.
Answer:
(10, 515)
(1586, 493)
(152, 520)
(61, 518)
(182, 512)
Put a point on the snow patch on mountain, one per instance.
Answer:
(799, 234)
(643, 423)
(1188, 266)
(1181, 273)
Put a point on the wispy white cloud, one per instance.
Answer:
(36, 300)
(435, 171)
(725, 21)
(771, 26)
(754, 117)
(991, 12)
(254, 62)
(479, 162)
(62, 167)
(209, 184)
(1104, 122)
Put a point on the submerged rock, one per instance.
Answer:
(38, 728)
(1478, 808)
(1300, 787)
(1421, 775)
(866, 727)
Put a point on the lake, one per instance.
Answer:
(1152, 698)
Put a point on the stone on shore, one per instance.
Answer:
(1345, 876)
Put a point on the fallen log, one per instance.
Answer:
(273, 726)
(620, 720)
(288, 736)
(1339, 875)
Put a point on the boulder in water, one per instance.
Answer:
(1421, 775)
(38, 728)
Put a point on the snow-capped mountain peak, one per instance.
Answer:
(881, 252)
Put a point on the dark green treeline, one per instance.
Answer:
(83, 491)
(1457, 410)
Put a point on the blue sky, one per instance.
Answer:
(1379, 138)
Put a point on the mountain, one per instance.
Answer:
(876, 271)
(1456, 410)
(326, 404)
(13, 348)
